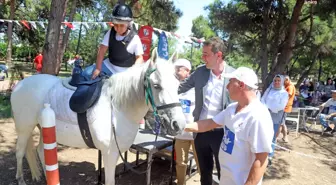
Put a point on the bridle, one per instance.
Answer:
(149, 99)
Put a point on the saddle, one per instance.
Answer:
(85, 96)
(88, 91)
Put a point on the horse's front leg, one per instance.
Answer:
(110, 159)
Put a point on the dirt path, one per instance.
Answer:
(78, 166)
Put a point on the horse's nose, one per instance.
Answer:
(175, 125)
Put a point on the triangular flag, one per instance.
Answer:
(86, 25)
(68, 24)
(17, 22)
(25, 23)
(169, 35)
(33, 24)
(136, 26)
(1, 20)
(42, 24)
(176, 35)
(76, 25)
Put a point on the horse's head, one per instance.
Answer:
(164, 86)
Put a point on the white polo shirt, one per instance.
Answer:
(331, 103)
(213, 97)
(245, 133)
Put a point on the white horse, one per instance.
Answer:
(122, 103)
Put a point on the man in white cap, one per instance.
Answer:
(184, 141)
(182, 68)
(331, 116)
(248, 131)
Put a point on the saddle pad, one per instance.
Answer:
(65, 82)
(58, 98)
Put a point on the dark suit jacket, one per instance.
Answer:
(199, 80)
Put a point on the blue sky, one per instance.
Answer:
(191, 9)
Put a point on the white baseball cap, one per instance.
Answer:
(333, 91)
(245, 75)
(183, 62)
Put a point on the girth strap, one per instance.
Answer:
(84, 129)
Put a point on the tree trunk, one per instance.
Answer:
(229, 44)
(50, 49)
(264, 42)
(80, 34)
(278, 37)
(320, 70)
(287, 50)
(306, 72)
(10, 34)
(64, 38)
(290, 69)
(61, 42)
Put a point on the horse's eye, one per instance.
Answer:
(157, 86)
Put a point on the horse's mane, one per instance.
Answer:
(126, 88)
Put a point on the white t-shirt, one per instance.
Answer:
(187, 100)
(134, 47)
(245, 133)
(331, 103)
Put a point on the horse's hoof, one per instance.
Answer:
(21, 181)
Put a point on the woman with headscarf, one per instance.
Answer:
(327, 90)
(275, 98)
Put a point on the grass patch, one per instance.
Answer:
(5, 106)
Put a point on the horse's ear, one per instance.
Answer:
(154, 55)
(174, 57)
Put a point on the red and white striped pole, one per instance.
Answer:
(50, 145)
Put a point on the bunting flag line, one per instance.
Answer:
(32, 25)
(17, 23)
(25, 23)
(42, 24)
(69, 25)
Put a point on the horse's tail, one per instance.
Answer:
(31, 156)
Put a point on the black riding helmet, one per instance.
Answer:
(122, 14)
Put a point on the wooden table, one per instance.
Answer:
(146, 142)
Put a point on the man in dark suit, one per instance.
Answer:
(211, 97)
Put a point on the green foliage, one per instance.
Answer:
(242, 22)
(18, 52)
(236, 60)
(201, 28)
(157, 13)
(5, 107)
(23, 51)
(3, 50)
(195, 58)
